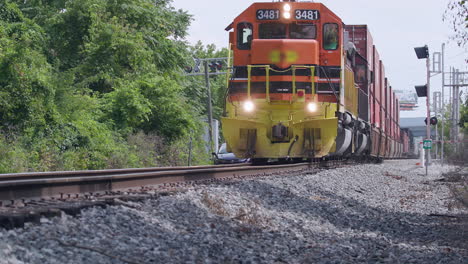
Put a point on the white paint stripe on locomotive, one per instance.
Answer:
(332, 79)
(363, 145)
(346, 142)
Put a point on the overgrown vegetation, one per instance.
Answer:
(92, 84)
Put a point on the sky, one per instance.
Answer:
(396, 26)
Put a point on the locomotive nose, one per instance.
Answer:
(285, 52)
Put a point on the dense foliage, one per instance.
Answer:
(88, 84)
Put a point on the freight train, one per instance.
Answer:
(304, 85)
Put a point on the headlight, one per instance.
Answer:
(287, 7)
(249, 106)
(312, 107)
(287, 15)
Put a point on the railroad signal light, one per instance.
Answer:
(433, 121)
(215, 66)
(188, 69)
(422, 52)
(219, 65)
(421, 90)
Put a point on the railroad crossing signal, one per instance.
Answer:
(214, 66)
(427, 144)
(432, 121)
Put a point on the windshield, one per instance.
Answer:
(282, 31)
(302, 31)
(272, 31)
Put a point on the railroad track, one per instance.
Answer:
(62, 184)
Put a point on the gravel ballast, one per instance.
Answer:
(372, 213)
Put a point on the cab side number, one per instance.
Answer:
(307, 14)
(268, 14)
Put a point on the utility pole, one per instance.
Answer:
(456, 102)
(428, 113)
(455, 81)
(443, 105)
(210, 112)
(454, 106)
(436, 109)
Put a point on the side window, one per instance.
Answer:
(244, 36)
(330, 36)
(360, 73)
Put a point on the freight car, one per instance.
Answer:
(304, 86)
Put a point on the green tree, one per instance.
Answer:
(197, 86)
(113, 49)
(456, 15)
(26, 92)
(87, 84)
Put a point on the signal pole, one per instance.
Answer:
(428, 113)
(206, 73)
(443, 105)
(423, 53)
(210, 112)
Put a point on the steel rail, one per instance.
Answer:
(52, 184)
(81, 173)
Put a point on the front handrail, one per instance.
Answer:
(268, 68)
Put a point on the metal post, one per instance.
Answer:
(435, 108)
(428, 123)
(456, 94)
(454, 107)
(189, 163)
(443, 106)
(210, 113)
(452, 80)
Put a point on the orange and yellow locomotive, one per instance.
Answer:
(299, 89)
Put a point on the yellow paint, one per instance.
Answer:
(266, 115)
(291, 56)
(351, 93)
(292, 114)
(275, 56)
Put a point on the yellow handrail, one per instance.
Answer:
(267, 84)
(249, 73)
(249, 77)
(312, 78)
(228, 72)
(267, 75)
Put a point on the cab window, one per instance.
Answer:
(360, 73)
(330, 36)
(244, 36)
(302, 31)
(272, 31)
